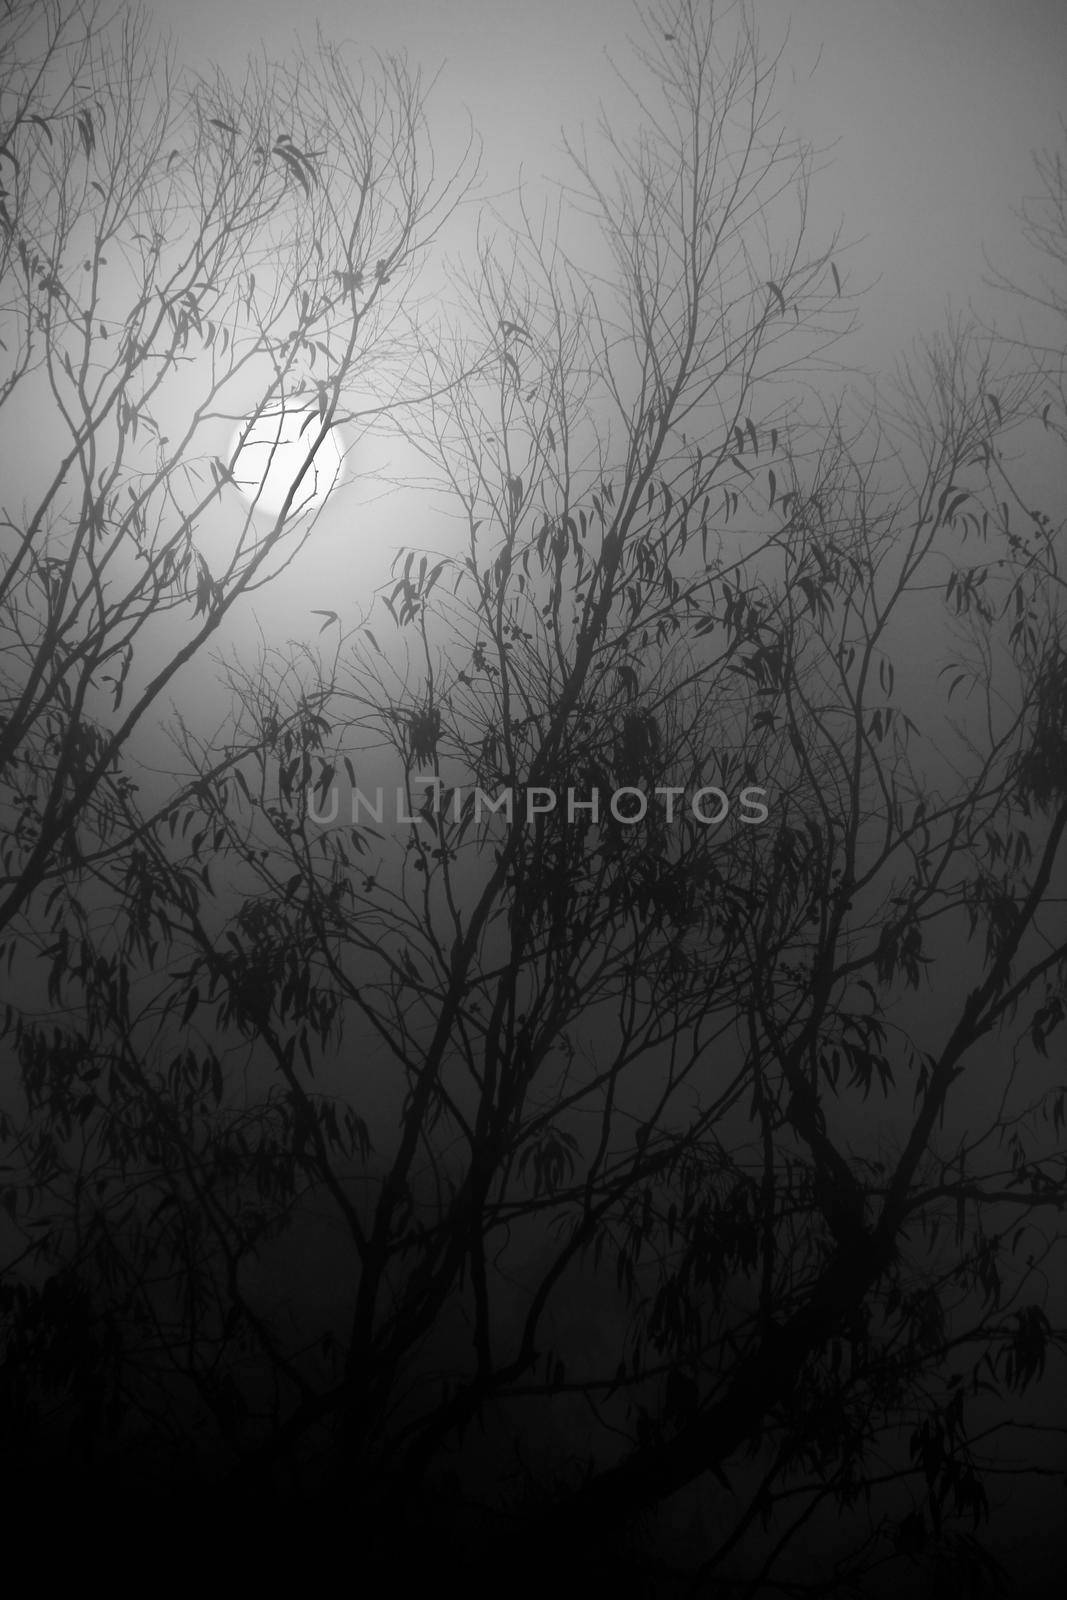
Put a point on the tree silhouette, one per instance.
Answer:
(170, 260)
(649, 922)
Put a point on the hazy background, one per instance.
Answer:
(927, 116)
(927, 113)
(934, 107)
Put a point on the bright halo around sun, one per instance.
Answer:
(275, 449)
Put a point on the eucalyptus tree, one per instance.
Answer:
(183, 261)
(631, 927)
(187, 264)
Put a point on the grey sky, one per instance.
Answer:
(927, 111)
(933, 108)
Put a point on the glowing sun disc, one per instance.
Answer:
(267, 463)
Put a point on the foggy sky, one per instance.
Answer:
(932, 109)
(927, 116)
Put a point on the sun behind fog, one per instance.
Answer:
(274, 451)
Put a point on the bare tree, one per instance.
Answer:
(700, 976)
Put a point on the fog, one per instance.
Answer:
(924, 121)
